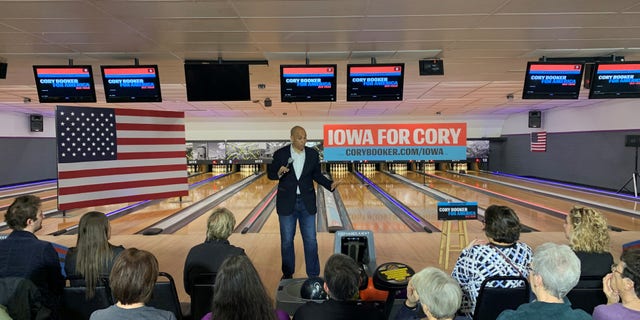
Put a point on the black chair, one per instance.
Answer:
(165, 295)
(202, 295)
(492, 301)
(587, 298)
(75, 305)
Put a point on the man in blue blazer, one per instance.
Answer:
(296, 167)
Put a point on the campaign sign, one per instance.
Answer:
(395, 142)
(457, 210)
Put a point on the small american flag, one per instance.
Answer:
(539, 141)
(110, 156)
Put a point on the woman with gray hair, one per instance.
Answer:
(436, 292)
(208, 256)
(554, 271)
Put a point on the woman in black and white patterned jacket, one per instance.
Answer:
(500, 255)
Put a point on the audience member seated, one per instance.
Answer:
(208, 256)
(342, 282)
(501, 255)
(588, 235)
(93, 255)
(240, 293)
(622, 288)
(434, 293)
(555, 270)
(132, 278)
(3, 313)
(22, 255)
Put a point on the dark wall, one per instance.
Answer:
(27, 159)
(598, 159)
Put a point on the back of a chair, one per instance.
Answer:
(75, 305)
(165, 295)
(202, 294)
(586, 298)
(493, 300)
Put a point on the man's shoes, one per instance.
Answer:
(285, 276)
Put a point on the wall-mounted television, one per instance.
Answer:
(375, 82)
(615, 80)
(131, 83)
(307, 83)
(64, 84)
(213, 81)
(552, 80)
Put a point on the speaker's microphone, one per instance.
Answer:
(289, 162)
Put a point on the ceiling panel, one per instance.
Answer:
(484, 44)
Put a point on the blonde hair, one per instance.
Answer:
(589, 231)
(220, 224)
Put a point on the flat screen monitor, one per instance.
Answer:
(375, 82)
(615, 80)
(552, 80)
(217, 82)
(64, 84)
(131, 83)
(307, 83)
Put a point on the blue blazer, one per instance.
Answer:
(288, 183)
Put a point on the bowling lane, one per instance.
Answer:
(57, 222)
(141, 219)
(240, 204)
(30, 188)
(365, 210)
(48, 197)
(627, 204)
(613, 218)
(421, 203)
(529, 217)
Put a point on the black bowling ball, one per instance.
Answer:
(313, 288)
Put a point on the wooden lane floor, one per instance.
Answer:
(628, 203)
(48, 197)
(562, 206)
(53, 223)
(532, 218)
(72, 217)
(146, 217)
(421, 203)
(364, 209)
(241, 204)
(12, 191)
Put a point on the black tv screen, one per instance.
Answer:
(615, 80)
(131, 83)
(552, 80)
(64, 84)
(217, 82)
(300, 83)
(375, 82)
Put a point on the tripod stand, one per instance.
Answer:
(634, 176)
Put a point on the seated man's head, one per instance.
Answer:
(342, 277)
(25, 214)
(625, 275)
(439, 294)
(220, 224)
(555, 270)
(133, 276)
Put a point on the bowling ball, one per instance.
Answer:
(313, 288)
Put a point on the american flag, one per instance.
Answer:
(539, 141)
(108, 156)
